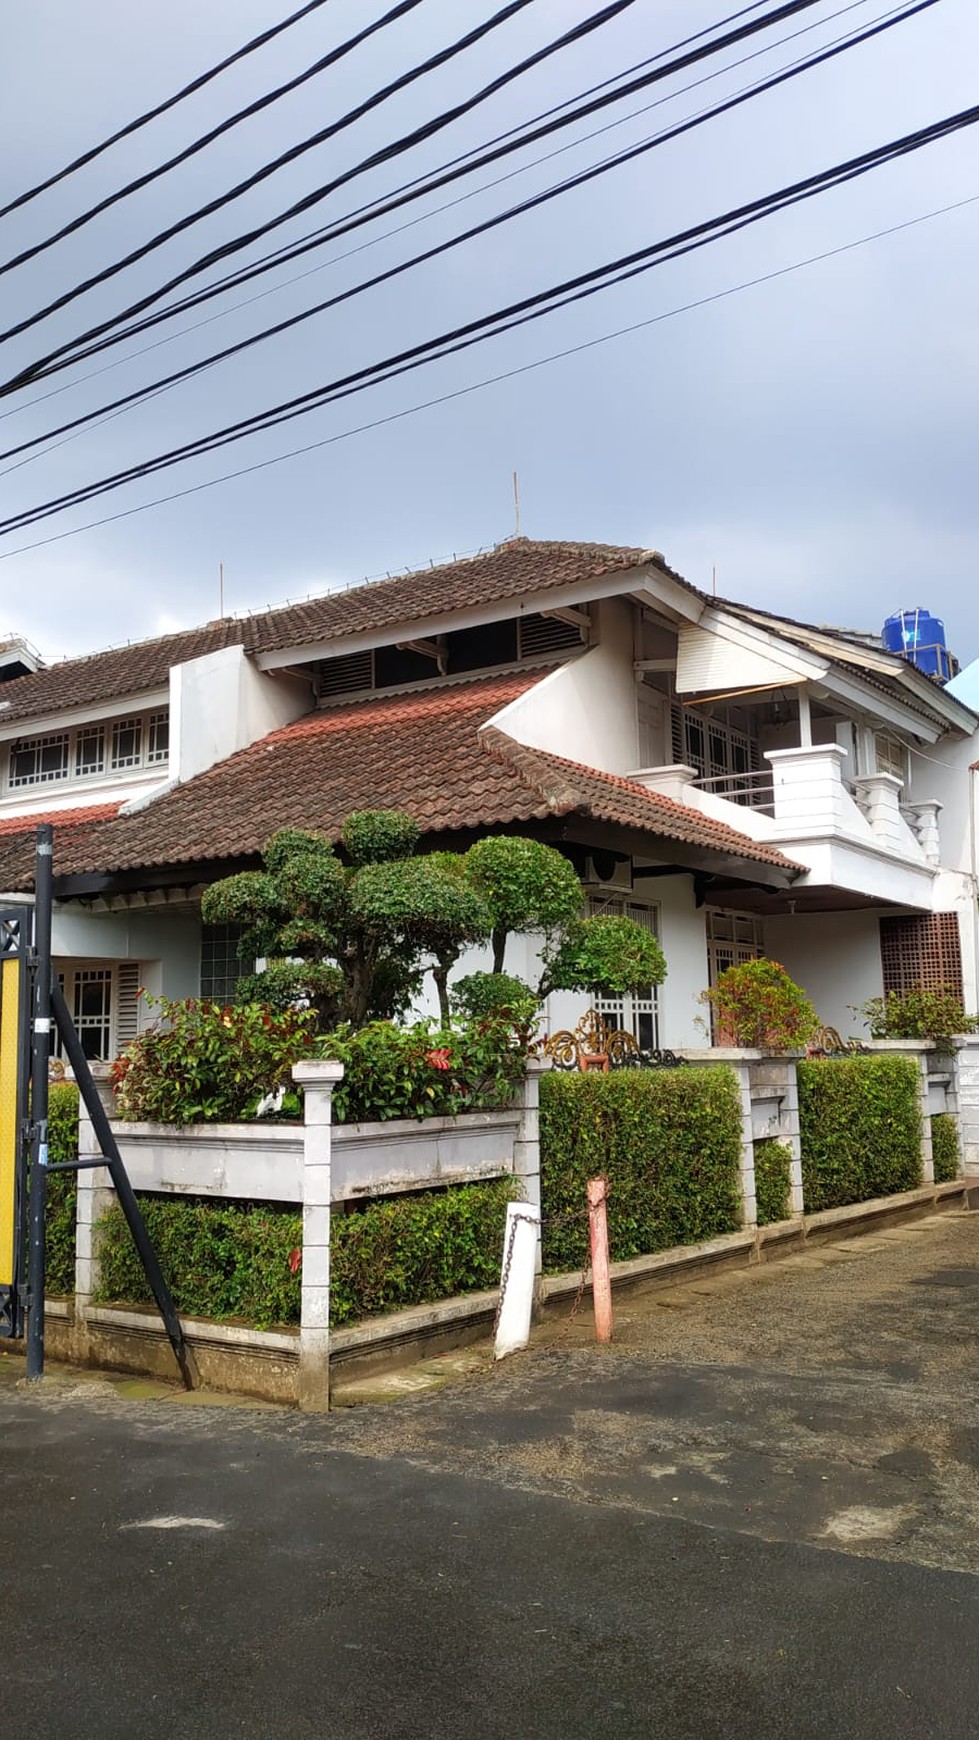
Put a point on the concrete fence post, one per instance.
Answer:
(749, 1200)
(317, 1080)
(967, 1102)
(526, 1144)
(793, 1137)
(94, 1197)
(927, 1150)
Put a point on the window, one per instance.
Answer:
(891, 756)
(636, 1012)
(732, 939)
(722, 749)
(158, 747)
(82, 752)
(127, 743)
(103, 1001)
(221, 964)
(89, 750)
(922, 952)
(35, 760)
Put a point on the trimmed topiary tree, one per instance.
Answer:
(347, 939)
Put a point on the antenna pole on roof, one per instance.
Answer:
(516, 505)
(221, 589)
(713, 580)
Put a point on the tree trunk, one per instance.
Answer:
(499, 948)
(440, 973)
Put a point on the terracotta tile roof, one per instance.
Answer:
(610, 797)
(509, 572)
(423, 752)
(18, 835)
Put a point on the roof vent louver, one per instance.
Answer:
(346, 675)
(547, 634)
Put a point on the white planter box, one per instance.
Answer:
(265, 1161)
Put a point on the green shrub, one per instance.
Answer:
(669, 1142)
(61, 1193)
(233, 1260)
(411, 1250)
(861, 1128)
(772, 1162)
(424, 1071)
(935, 1015)
(479, 995)
(945, 1147)
(203, 1062)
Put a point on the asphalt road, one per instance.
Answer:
(580, 1544)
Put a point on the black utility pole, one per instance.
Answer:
(40, 1056)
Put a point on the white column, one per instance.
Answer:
(526, 1144)
(317, 1080)
(749, 1201)
(94, 1197)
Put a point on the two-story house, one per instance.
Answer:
(741, 783)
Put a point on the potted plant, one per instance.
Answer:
(756, 1005)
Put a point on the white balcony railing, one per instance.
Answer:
(756, 790)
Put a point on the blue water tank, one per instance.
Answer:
(920, 638)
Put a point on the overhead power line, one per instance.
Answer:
(131, 127)
(282, 255)
(492, 380)
(325, 61)
(377, 158)
(374, 101)
(758, 88)
(516, 314)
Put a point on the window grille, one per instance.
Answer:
(921, 952)
(36, 760)
(635, 1012)
(221, 964)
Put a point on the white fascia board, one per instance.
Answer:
(648, 584)
(113, 707)
(863, 699)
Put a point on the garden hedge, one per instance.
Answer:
(772, 1162)
(236, 1261)
(945, 1147)
(860, 1123)
(669, 1142)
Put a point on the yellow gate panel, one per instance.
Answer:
(9, 1080)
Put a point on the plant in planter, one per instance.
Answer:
(203, 1062)
(757, 1005)
(936, 1015)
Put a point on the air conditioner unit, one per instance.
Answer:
(608, 871)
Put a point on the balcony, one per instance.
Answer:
(858, 836)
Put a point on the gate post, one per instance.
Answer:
(317, 1080)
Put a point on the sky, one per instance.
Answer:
(807, 444)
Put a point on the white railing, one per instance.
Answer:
(755, 791)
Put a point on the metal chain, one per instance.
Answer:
(549, 1221)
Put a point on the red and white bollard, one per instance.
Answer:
(601, 1278)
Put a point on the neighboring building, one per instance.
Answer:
(741, 783)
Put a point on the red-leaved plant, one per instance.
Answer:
(757, 1005)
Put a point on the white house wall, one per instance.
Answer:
(221, 703)
(835, 957)
(586, 710)
(170, 940)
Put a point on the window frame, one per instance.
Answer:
(73, 772)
